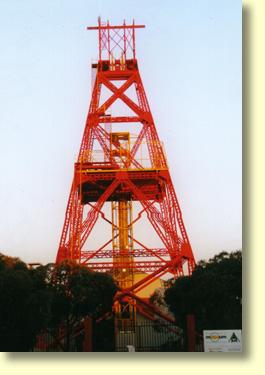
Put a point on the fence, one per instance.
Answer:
(112, 336)
(149, 336)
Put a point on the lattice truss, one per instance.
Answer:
(116, 41)
(122, 200)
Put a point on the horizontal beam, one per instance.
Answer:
(109, 253)
(111, 119)
(142, 266)
(109, 27)
(126, 264)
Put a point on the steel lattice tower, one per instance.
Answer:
(118, 170)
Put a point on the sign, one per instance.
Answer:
(222, 341)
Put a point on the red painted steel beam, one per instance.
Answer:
(109, 27)
(98, 254)
(119, 119)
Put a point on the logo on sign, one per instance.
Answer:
(234, 338)
(214, 337)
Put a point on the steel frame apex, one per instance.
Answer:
(116, 41)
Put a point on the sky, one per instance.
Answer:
(189, 58)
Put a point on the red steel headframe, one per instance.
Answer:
(121, 176)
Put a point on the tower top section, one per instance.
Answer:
(116, 42)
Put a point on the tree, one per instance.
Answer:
(23, 300)
(77, 293)
(51, 298)
(213, 293)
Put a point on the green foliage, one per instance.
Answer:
(213, 293)
(22, 301)
(80, 292)
(50, 298)
(77, 292)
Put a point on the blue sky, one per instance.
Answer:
(190, 62)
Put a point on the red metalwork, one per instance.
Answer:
(111, 168)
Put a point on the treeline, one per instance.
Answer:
(212, 294)
(59, 297)
(46, 299)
